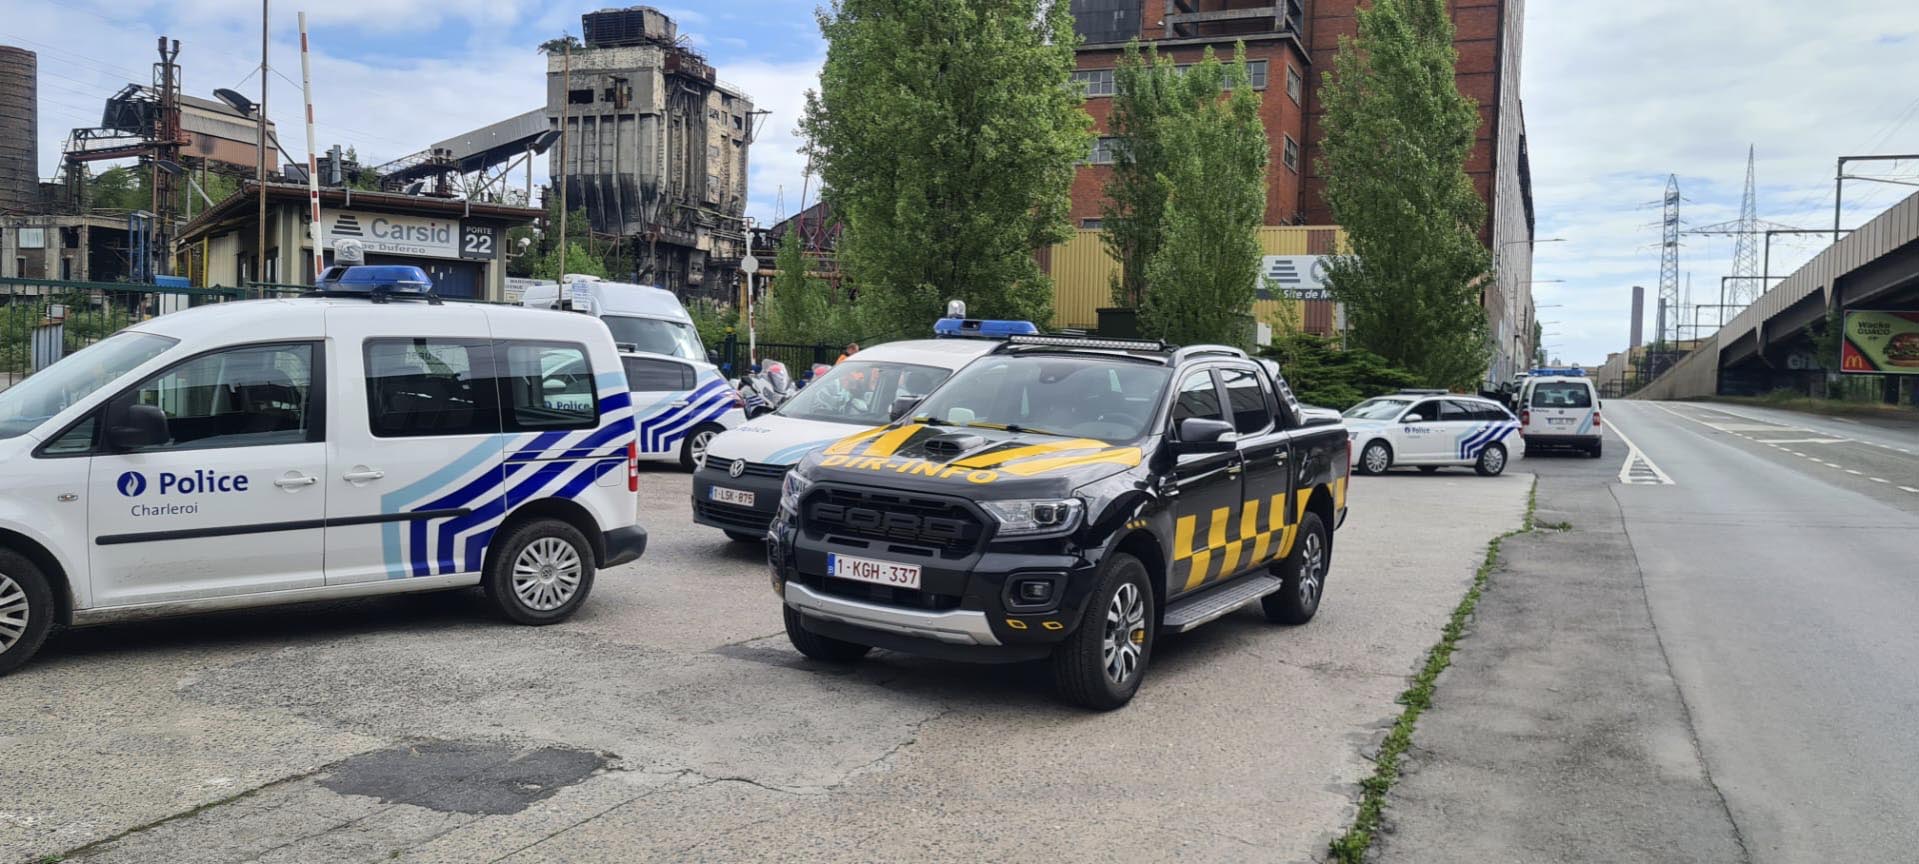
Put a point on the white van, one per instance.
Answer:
(1561, 411)
(681, 399)
(278, 451)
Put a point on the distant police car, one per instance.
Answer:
(1064, 498)
(1561, 410)
(278, 451)
(1432, 429)
(680, 400)
(738, 490)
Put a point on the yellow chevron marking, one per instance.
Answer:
(1127, 456)
(1229, 562)
(1259, 548)
(1276, 512)
(1249, 519)
(1339, 494)
(989, 460)
(846, 445)
(1183, 537)
(1216, 529)
(1201, 563)
(891, 441)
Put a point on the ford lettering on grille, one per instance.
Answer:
(898, 526)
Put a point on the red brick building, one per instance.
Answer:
(1290, 44)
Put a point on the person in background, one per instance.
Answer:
(852, 348)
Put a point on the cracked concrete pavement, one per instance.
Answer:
(671, 721)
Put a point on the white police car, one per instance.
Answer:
(1432, 429)
(680, 399)
(738, 488)
(278, 451)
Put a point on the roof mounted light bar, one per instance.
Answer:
(1084, 342)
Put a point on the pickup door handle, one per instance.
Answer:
(296, 482)
(1234, 470)
(363, 476)
(1281, 458)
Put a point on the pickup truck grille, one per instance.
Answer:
(944, 527)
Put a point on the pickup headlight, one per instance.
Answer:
(1036, 517)
(791, 488)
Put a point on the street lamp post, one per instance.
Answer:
(1839, 178)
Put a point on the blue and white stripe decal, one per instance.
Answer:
(1585, 424)
(1474, 441)
(790, 455)
(497, 475)
(662, 425)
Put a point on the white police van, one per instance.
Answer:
(681, 401)
(737, 490)
(1432, 429)
(1562, 410)
(339, 445)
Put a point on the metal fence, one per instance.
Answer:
(797, 357)
(42, 320)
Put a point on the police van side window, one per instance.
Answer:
(644, 375)
(430, 387)
(548, 386)
(250, 396)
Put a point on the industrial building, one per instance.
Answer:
(459, 243)
(653, 148)
(1289, 44)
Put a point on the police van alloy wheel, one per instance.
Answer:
(542, 573)
(1376, 458)
(1492, 461)
(26, 610)
(1101, 664)
(824, 648)
(693, 450)
(1303, 574)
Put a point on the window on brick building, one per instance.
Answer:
(1105, 151)
(1295, 85)
(1290, 155)
(1255, 70)
(1091, 224)
(1094, 82)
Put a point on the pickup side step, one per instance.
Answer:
(1193, 610)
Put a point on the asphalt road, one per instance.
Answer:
(671, 721)
(1716, 661)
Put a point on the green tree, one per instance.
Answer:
(947, 133)
(1205, 273)
(578, 260)
(802, 308)
(1397, 133)
(1150, 98)
(1320, 373)
(119, 188)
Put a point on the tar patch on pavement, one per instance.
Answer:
(456, 777)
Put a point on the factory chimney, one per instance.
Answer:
(19, 129)
(1638, 315)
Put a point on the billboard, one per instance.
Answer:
(1296, 277)
(1880, 342)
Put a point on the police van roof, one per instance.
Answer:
(301, 318)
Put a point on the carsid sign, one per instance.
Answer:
(392, 234)
(1881, 342)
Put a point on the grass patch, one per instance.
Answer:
(1350, 847)
(1555, 526)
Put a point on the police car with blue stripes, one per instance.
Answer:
(680, 399)
(342, 444)
(1433, 429)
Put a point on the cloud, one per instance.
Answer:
(1619, 95)
(777, 169)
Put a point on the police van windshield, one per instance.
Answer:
(1378, 409)
(1080, 397)
(29, 403)
(862, 391)
(656, 336)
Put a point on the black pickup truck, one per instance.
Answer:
(1067, 498)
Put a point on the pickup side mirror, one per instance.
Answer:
(133, 427)
(902, 405)
(1412, 418)
(1200, 435)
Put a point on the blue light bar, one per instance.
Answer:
(977, 328)
(378, 281)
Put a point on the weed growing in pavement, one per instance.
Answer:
(1556, 526)
(1350, 848)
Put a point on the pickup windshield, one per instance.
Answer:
(656, 336)
(31, 402)
(1081, 397)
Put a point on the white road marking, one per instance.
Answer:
(1638, 469)
(1879, 480)
(1803, 440)
(1850, 471)
(1909, 489)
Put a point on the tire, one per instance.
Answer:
(743, 537)
(527, 576)
(1429, 469)
(1492, 461)
(26, 610)
(1088, 673)
(1375, 458)
(693, 447)
(1304, 575)
(825, 649)
(1597, 450)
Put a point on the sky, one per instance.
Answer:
(1618, 95)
